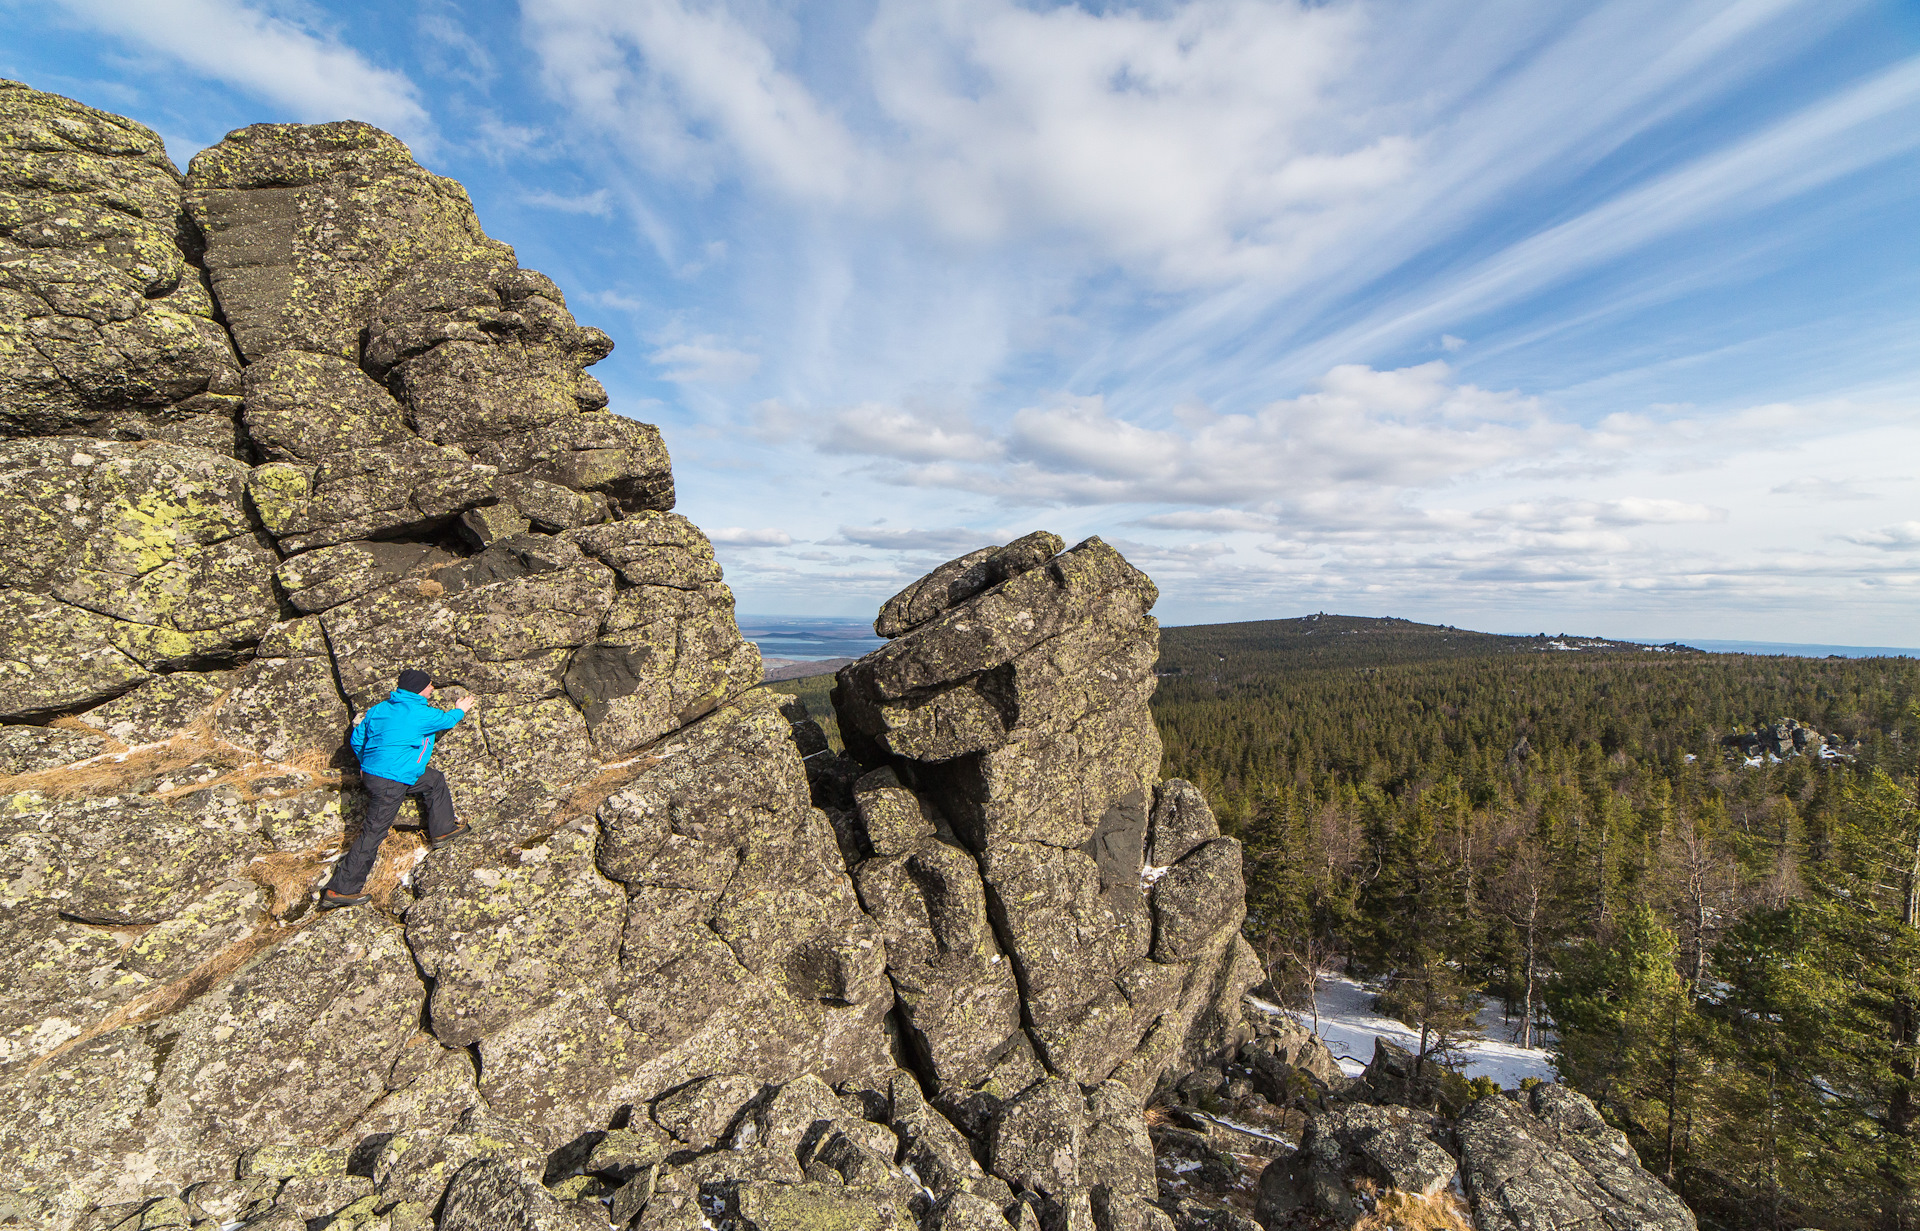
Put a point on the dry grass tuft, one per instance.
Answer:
(114, 773)
(291, 878)
(1398, 1211)
(589, 795)
(118, 769)
(170, 997)
(70, 723)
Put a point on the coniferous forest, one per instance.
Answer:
(1721, 943)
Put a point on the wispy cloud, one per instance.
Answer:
(311, 75)
(735, 536)
(954, 540)
(1904, 536)
(598, 203)
(704, 361)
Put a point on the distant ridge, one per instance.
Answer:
(800, 668)
(1324, 640)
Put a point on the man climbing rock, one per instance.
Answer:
(393, 742)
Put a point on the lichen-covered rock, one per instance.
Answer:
(295, 1050)
(958, 580)
(510, 636)
(329, 576)
(1196, 900)
(308, 226)
(664, 656)
(482, 353)
(1546, 1159)
(221, 917)
(1347, 1155)
(736, 889)
(161, 706)
(502, 934)
(146, 858)
(61, 978)
(1181, 820)
(55, 658)
(621, 460)
(954, 985)
(379, 491)
(24, 750)
(281, 709)
(1017, 688)
(700, 1112)
(153, 536)
(105, 326)
(96, 1096)
(309, 408)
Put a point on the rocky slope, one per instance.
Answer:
(271, 431)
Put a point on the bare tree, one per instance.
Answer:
(1521, 893)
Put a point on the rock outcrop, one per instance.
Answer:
(271, 431)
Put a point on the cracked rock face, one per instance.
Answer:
(106, 324)
(280, 427)
(1018, 711)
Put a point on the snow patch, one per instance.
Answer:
(1349, 1024)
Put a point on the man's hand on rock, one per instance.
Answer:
(466, 703)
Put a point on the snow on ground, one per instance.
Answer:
(1349, 1024)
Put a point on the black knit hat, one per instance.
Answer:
(415, 680)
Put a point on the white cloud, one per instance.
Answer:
(312, 76)
(1904, 536)
(1572, 516)
(1825, 490)
(1411, 426)
(598, 203)
(1211, 519)
(954, 541)
(736, 536)
(704, 361)
(887, 431)
(695, 89)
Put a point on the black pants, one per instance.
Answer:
(384, 797)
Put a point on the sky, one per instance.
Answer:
(1520, 316)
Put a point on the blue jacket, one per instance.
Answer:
(396, 737)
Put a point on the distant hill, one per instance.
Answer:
(1265, 647)
(799, 668)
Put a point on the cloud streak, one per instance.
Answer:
(311, 76)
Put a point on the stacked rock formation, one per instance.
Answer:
(274, 429)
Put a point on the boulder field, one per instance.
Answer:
(276, 428)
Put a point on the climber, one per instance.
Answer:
(393, 743)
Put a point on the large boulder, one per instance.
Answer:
(106, 327)
(1544, 1158)
(1348, 1156)
(309, 226)
(1015, 695)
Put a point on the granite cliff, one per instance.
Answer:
(276, 428)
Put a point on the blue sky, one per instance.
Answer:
(1510, 315)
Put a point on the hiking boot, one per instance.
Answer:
(329, 900)
(458, 832)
